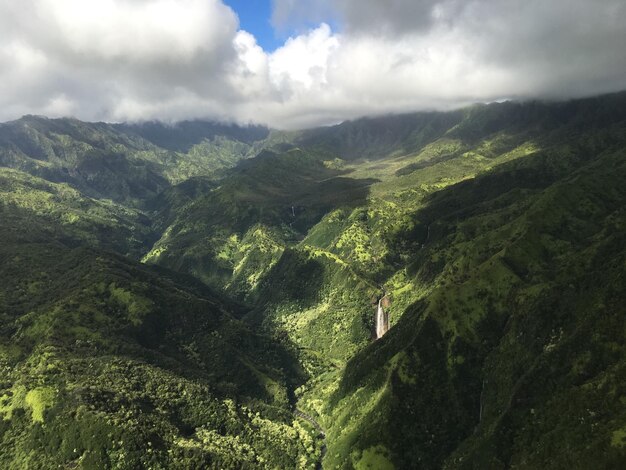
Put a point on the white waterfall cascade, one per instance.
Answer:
(382, 321)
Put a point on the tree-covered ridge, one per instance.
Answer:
(124, 163)
(497, 233)
(501, 363)
(478, 267)
(259, 208)
(30, 203)
(109, 364)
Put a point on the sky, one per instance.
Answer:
(255, 17)
(292, 64)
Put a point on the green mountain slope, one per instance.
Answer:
(109, 364)
(29, 203)
(485, 230)
(124, 163)
(466, 229)
(501, 364)
(230, 235)
(496, 235)
(183, 136)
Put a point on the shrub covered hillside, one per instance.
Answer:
(109, 364)
(125, 163)
(204, 296)
(515, 357)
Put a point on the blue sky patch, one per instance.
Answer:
(255, 17)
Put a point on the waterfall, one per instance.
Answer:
(382, 320)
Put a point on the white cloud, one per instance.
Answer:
(171, 60)
(136, 30)
(250, 72)
(302, 62)
(116, 59)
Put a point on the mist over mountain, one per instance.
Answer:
(295, 65)
(206, 295)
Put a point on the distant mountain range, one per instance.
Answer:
(200, 295)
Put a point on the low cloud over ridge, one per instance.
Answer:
(118, 60)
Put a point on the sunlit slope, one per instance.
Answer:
(459, 232)
(512, 353)
(107, 363)
(230, 235)
(497, 233)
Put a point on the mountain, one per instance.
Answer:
(204, 295)
(512, 347)
(110, 364)
(183, 136)
(124, 163)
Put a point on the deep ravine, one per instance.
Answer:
(322, 434)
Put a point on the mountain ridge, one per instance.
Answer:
(496, 233)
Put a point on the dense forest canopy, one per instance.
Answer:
(200, 295)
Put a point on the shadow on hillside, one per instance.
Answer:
(293, 189)
(499, 188)
(296, 279)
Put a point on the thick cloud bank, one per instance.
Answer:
(180, 59)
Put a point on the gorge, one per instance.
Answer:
(197, 295)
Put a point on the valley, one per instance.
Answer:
(429, 290)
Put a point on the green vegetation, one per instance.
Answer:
(124, 163)
(107, 363)
(28, 201)
(167, 301)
